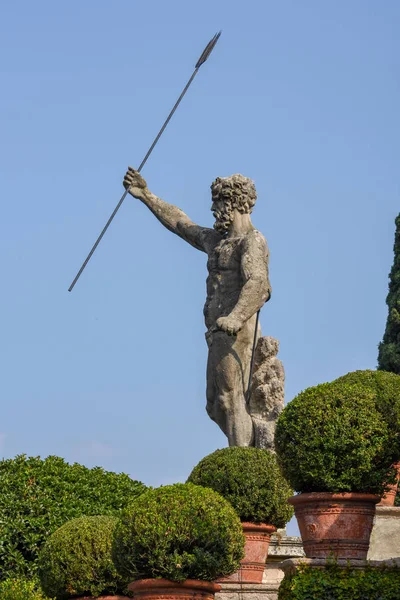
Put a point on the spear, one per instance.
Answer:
(205, 54)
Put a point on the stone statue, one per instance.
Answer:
(267, 392)
(237, 287)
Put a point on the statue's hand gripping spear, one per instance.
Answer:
(205, 54)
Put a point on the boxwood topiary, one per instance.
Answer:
(251, 480)
(386, 387)
(76, 559)
(332, 438)
(38, 496)
(178, 532)
(335, 583)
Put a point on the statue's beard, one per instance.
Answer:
(223, 220)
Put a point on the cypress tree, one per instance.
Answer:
(389, 348)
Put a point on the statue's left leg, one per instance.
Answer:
(227, 377)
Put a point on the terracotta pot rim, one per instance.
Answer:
(333, 496)
(258, 527)
(145, 584)
(106, 597)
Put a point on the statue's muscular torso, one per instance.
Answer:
(224, 281)
(225, 274)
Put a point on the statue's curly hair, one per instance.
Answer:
(239, 190)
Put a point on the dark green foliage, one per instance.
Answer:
(250, 479)
(38, 496)
(76, 560)
(389, 348)
(178, 532)
(334, 583)
(332, 438)
(20, 589)
(386, 387)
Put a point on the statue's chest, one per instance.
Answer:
(226, 256)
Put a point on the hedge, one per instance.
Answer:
(334, 583)
(38, 496)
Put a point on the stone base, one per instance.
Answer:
(385, 536)
(290, 566)
(248, 591)
(281, 547)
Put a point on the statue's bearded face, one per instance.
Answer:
(223, 212)
(229, 194)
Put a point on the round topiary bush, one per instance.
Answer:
(332, 438)
(251, 480)
(39, 495)
(386, 387)
(76, 560)
(178, 532)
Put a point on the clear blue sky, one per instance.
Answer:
(301, 96)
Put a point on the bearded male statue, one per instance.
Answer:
(237, 287)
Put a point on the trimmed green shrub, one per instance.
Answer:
(38, 496)
(250, 479)
(333, 583)
(76, 560)
(386, 387)
(332, 438)
(20, 589)
(178, 532)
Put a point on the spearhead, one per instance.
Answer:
(207, 50)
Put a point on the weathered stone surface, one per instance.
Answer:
(385, 536)
(267, 391)
(237, 287)
(248, 591)
(281, 547)
(291, 565)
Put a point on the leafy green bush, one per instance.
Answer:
(178, 532)
(334, 583)
(332, 438)
(386, 387)
(20, 589)
(38, 496)
(76, 560)
(250, 479)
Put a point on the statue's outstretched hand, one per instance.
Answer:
(135, 184)
(229, 324)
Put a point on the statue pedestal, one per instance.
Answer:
(385, 536)
(281, 548)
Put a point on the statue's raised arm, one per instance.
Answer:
(172, 217)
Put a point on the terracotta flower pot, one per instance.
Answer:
(335, 524)
(101, 598)
(389, 497)
(255, 553)
(154, 589)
